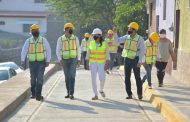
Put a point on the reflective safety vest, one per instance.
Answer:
(150, 57)
(97, 54)
(69, 49)
(36, 50)
(111, 48)
(131, 47)
(85, 45)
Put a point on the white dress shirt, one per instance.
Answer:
(46, 46)
(140, 46)
(59, 48)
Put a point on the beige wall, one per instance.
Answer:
(15, 24)
(183, 65)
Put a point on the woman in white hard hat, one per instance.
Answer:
(98, 57)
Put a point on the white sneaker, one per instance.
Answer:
(95, 98)
(102, 94)
(111, 71)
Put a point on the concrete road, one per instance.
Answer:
(114, 108)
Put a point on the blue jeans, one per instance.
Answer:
(112, 58)
(129, 65)
(69, 68)
(148, 68)
(36, 74)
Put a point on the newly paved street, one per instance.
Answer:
(114, 108)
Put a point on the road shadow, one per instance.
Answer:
(71, 107)
(116, 105)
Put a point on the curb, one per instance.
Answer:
(15, 101)
(166, 109)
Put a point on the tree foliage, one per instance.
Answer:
(131, 10)
(87, 14)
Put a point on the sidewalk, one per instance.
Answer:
(172, 100)
(115, 108)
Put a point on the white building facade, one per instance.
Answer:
(165, 11)
(16, 16)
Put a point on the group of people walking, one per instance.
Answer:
(99, 54)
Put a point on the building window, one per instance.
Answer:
(39, 1)
(151, 7)
(2, 22)
(157, 23)
(26, 28)
(164, 9)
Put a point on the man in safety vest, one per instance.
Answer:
(84, 46)
(152, 51)
(39, 54)
(112, 40)
(68, 53)
(133, 52)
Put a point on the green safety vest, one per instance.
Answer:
(150, 57)
(69, 49)
(36, 50)
(131, 47)
(111, 48)
(85, 45)
(97, 55)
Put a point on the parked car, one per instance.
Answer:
(12, 65)
(6, 73)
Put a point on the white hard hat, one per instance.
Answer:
(97, 31)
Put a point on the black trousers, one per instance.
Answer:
(84, 57)
(129, 65)
(161, 66)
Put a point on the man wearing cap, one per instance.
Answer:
(152, 51)
(133, 52)
(68, 53)
(84, 46)
(39, 54)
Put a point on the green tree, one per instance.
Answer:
(129, 11)
(85, 12)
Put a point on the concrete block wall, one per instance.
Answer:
(10, 55)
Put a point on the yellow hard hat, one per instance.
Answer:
(69, 25)
(34, 27)
(110, 31)
(87, 35)
(154, 37)
(134, 25)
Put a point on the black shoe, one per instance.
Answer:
(72, 97)
(41, 98)
(129, 97)
(67, 96)
(143, 81)
(33, 96)
(140, 97)
(160, 85)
